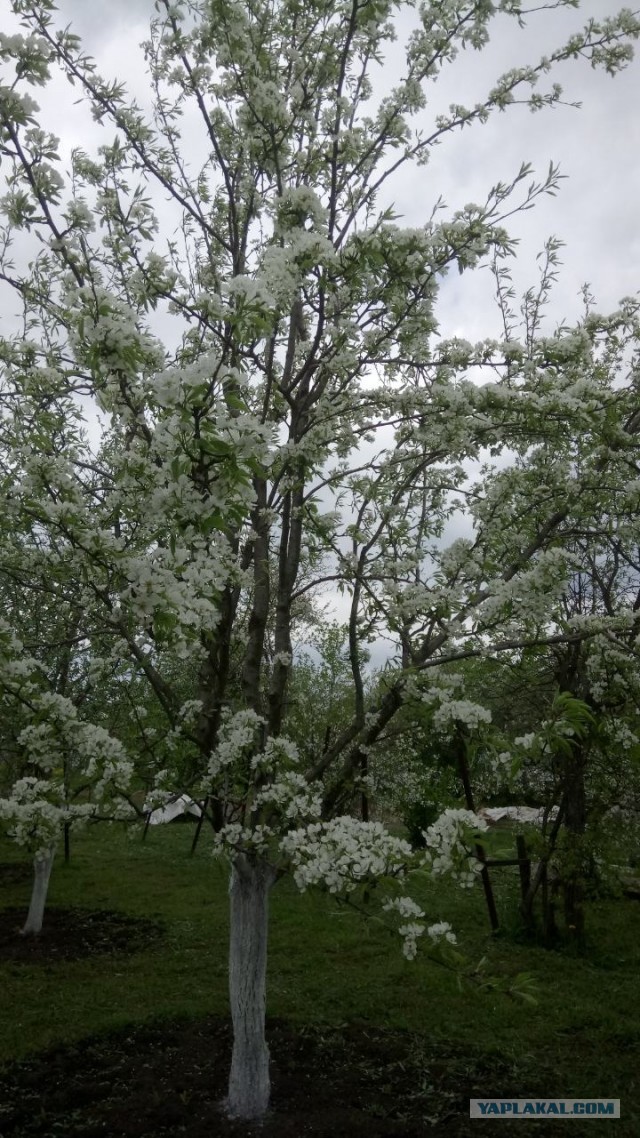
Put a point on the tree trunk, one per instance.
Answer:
(573, 873)
(549, 894)
(463, 771)
(249, 1084)
(524, 869)
(364, 797)
(42, 864)
(540, 871)
(196, 836)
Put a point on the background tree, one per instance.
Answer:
(66, 769)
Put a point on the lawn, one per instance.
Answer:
(340, 992)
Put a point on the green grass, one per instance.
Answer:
(328, 965)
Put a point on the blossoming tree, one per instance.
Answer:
(579, 758)
(51, 740)
(257, 336)
(61, 766)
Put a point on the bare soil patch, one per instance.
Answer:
(74, 933)
(169, 1079)
(15, 872)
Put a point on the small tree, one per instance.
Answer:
(249, 458)
(52, 740)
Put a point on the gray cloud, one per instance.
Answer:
(101, 20)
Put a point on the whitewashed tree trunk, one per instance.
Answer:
(249, 1083)
(42, 864)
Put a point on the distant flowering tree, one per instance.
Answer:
(51, 741)
(583, 754)
(278, 417)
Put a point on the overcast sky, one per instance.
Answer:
(597, 147)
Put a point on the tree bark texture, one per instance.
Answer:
(249, 1084)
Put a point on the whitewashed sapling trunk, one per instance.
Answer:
(42, 864)
(249, 1084)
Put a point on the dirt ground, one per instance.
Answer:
(72, 934)
(169, 1079)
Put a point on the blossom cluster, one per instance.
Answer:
(450, 708)
(36, 812)
(292, 796)
(413, 925)
(447, 845)
(235, 838)
(343, 853)
(238, 736)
